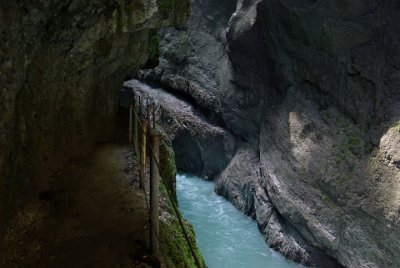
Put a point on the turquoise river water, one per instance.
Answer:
(226, 237)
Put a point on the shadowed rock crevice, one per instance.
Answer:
(187, 154)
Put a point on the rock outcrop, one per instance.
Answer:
(311, 92)
(200, 147)
(61, 66)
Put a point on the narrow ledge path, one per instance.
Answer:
(95, 216)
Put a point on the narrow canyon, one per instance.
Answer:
(291, 109)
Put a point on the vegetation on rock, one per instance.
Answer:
(153, 50)
(173, 242)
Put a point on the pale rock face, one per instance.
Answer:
(311, 91)
(61, 66)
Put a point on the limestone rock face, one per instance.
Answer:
(61, 66)
(311, 91)
(200, 147)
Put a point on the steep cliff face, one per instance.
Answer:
(61, 65)
(311, 91)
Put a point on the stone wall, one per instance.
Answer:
(61, 66)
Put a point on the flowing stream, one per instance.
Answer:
(226, 237)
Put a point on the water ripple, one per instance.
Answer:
(226, 237)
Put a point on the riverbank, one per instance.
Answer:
(226, 237)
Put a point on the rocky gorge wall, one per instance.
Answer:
(310, 91)
(61, 66)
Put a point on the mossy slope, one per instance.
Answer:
(173, 244)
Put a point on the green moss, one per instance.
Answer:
(173, 243)
(328, 201)
(396, 126)
(153, 48)
(167, 164)
(353, 143)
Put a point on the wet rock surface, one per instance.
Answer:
(310, 91)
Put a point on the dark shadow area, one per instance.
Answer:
(188, 155)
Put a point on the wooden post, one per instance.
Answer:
(140, 106)
(154, 194)
(154, 116)
(135, 129)
(143, 152)
(148, 118)
(130, 124)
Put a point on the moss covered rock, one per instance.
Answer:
(167, 164)
(175, 247)
(176, 250)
